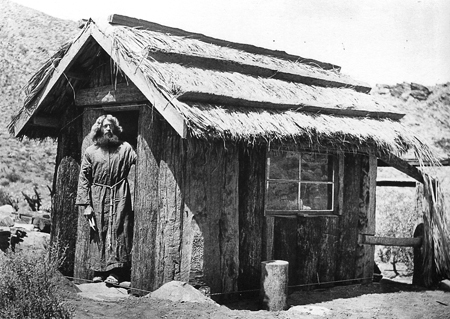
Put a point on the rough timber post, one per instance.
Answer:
(81, 268)
(64, 212)
(418, 258)
(274, 284)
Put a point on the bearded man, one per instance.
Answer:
(104, 192)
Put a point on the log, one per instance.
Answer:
(403, 166)
(396, 183)
(274, 285)
(391, 241)
(119, 93)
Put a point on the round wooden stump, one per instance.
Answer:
(274, 285)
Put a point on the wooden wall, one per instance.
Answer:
(326, 248)
(186, 210)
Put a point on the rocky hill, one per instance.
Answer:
(29, 37)
(427, 111)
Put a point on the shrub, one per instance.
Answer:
(5, 198)
(13, 177)
(28, 287)
(4, 181)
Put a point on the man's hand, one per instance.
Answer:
(88, 211)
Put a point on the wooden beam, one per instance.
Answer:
(46, 121)
(391, 241)
(75, 49)
(163, 103)
(77, 75)
(256, 69)
(403, 167)
(120, 93)
(200, 97)
(133, 22)
(396, 183)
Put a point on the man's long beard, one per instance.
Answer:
(108, 140)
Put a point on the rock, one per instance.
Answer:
(444, 285)
(181, 292)
(7, 209)
(6, 217)
(6, 221)
(300, 311)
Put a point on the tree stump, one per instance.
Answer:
(274, 285)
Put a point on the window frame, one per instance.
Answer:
(336, 182)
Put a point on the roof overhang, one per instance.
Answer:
(159, 99)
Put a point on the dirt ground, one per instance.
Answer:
(386, 299)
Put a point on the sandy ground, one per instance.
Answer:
(386, 299)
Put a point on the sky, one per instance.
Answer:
(375, 41)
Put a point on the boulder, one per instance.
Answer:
(180, 292)
(7, 209)
(6, 215)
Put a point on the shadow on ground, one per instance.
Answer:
(306, 297)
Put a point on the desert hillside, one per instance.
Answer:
(29, 37)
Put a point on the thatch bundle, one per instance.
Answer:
(436, 240)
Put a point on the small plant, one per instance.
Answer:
(34, 201)
(28, 286)
(13, 177)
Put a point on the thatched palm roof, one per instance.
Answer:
(209, 90)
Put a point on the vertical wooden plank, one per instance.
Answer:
(252, 166)
(285, 244)
(211, 188)
(229, 220)
(317, 239)
(341, 174)
(366, 224)
(146, 201)
(348, 224)
(169, 227)
(65, 181)
(81, 269)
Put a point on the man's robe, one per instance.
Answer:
(103, 184)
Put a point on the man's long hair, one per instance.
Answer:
(96, 130)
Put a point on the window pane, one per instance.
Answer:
(316, 196)
(282, 196)
(284, 165)
(316, 167)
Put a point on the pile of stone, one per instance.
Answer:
(14, 226)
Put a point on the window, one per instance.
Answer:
(300, 182)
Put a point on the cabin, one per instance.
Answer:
(245, 154)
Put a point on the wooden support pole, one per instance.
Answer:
(274, 285)
(391, 241)
(418, 258)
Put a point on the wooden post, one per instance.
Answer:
(418, 258)
(64, 214)
(81, 267)
(274, 285)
